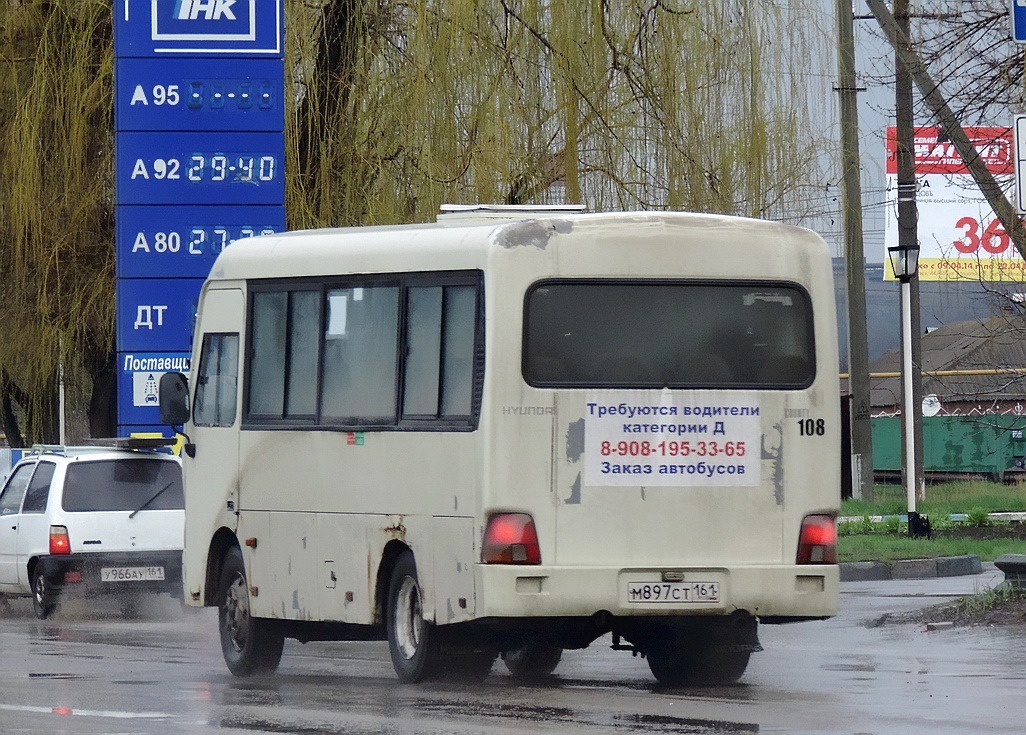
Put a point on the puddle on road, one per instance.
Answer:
(510, 714)
(76, 677)
(157, 639)
(661, 723)
(569, 717)
(849, 667)
(74, 712)
(238, 722)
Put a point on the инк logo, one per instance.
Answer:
(205, 10)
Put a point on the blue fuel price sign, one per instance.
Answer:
(158, 241)
(194, 94)
(200, 163)
(138, 380)
(198, 27)
(201, 168)
(157, 314)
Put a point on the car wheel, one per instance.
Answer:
(250, 645)
(43, 603)
(534, 660)
(412, 640)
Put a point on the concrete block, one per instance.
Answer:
(1014, 568)
(959, 566)
(913, 568)
(864, 571)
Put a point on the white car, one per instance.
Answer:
(91, 520)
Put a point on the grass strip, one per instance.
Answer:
(887, 548)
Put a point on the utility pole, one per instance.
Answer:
(908, 235)
(854, 257)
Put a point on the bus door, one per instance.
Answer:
(215, 416)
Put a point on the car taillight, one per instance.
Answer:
(59, 543)
(510, 538)
(817, 543)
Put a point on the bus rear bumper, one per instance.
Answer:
(776, 592)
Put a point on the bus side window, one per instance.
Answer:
(359, 364)
(439, 379)
(217, 386)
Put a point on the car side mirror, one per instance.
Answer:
(174, 399)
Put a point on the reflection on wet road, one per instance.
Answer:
(162, 673)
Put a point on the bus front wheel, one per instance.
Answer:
(250, 645)
(412, 640)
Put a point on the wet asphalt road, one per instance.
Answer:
(87, 672)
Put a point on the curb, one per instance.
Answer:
(944, 566)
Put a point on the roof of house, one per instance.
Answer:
(977, 361)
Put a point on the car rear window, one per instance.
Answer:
(123, 484)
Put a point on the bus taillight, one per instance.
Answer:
(510, 538)
(817, 543)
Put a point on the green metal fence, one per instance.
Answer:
(985, 445)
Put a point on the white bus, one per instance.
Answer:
(514, 433)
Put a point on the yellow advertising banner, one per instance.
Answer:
(966, 269)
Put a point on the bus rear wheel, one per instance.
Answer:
(250, 645)
(534, 660)
(412, 640)
(678, 661)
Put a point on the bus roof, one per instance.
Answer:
(464, 241)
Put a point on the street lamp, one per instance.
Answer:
(904, 263)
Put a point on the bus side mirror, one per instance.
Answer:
(174, 399)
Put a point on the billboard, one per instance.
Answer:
(959, 235)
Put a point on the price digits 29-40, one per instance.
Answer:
(204, 167)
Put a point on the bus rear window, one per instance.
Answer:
(677, 334)
(125, 484)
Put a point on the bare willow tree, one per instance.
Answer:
(56, 226)
(967, 46)
(643, 103)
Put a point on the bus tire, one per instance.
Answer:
(534, 660)
(43, 603)
(250, 645)
(675, 663)
(412, 640)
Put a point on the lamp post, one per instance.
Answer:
(904, 263)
